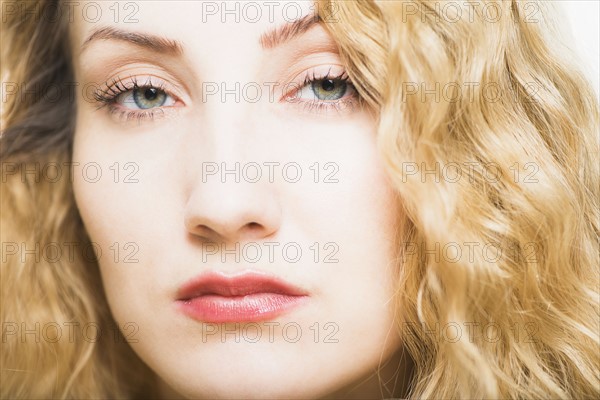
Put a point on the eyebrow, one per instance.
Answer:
(288, 31)
(268, 40)
(152, 42)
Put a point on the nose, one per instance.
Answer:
(219, 211)
(224, 204)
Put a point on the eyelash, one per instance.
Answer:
(319, 106)
(108, 97)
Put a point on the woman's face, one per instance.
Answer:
(230, 182)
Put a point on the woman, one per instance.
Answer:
(296, 200)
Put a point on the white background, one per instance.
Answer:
(581, 18)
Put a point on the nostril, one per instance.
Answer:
(253, 229)
(253, 226)
(204, 233)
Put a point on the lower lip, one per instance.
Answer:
(249, 308)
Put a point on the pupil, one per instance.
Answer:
(328, 85)
(150, 93)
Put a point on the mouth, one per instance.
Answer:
(246, 297)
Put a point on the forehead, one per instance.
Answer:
(210, 25)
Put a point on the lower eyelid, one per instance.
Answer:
(124, 114)
(344, 106)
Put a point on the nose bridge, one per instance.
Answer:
(225, 103)
(228, 119)
(233, 93)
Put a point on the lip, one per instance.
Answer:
(245, 297)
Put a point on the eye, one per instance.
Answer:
(328, 89)
(144, 98)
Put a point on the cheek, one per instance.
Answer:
(115, 208)
(367, 220)
(358, 215)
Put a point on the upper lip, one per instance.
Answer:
(240, 284)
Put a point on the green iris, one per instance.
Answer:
(149, 97)
(329, 89)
